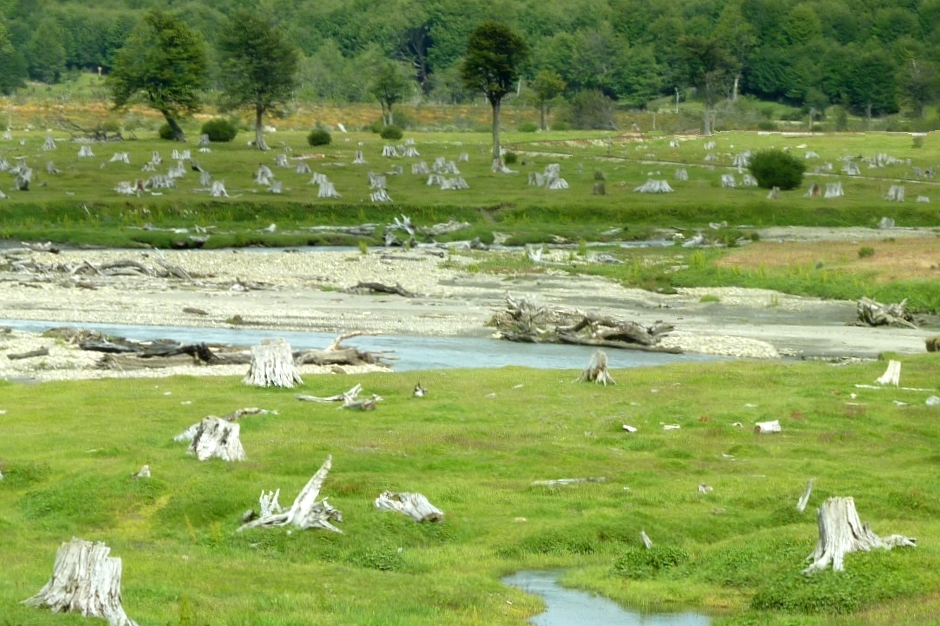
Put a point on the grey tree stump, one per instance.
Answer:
(306, 511)
(414, 505)
(272, 364)
(841, 532)
(217, 437)
(84, 580)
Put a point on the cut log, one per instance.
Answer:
(804, 499)
(306, 511)
(414, 505)
(764, 428)
(272, 364)
(216, 437)
(841, 532)
(368, 287)
(596, 371)
(84, 580)
(874, 313)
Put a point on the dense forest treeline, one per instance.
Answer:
(872, 56)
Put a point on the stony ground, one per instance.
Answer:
(310, 292)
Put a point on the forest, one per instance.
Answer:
(872, 57)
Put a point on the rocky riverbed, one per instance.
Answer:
(315, 291)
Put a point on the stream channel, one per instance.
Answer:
(412, 353)
(570, 607)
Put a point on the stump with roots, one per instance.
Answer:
(306, 511)
(272, 364)
(414, 505)
(217, 437)
(841, 532)
(84, 580)
(596, 371)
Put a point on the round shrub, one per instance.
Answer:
(510, 158)
(391, 132)
(220, 130)
(777, 168)
(319, 137)
(528, 127)
(165, 132)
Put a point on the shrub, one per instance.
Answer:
(319, 137)
(528, 127)
(510, 157)
(560, 125)
(599, 175)
(591, 110)
(766, 125)
(392, 132)
(220, 130)
(865, 251)
(165, 132)
(918, 141)
(643, 564)
(777, 168)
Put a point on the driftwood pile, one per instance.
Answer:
(524, 321)
(872, 313)
(21, 260)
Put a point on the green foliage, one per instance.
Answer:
(865, 252)
(12, 63)
(319, 137)
(510, 158)
(391, 132)
(777, 168)
(220, 130)
(163, 64)
(528, 127)
(391, 83)
(166, 132)
(590, 110)
(599, 175)
(495, 57)
(641, 564)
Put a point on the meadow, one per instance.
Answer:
(474, 447)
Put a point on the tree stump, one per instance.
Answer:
(841, 532)
(84, 580)
(596, 371)
(272, 364)
(306, 512)
(933, 344)
(874, 313)
(217, 438)
(414, 505)
(804, 499)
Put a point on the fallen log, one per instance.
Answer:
(344, 397)
(872, 313)
(841, 532)
(306, 511)
(414, 505)
(29, 355)
(804, 499)
(369, 287)
(84, 580)
(338, 354)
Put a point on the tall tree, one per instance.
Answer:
(495, 58)
(707, 63)
(391, 83)
(920, 85)
(12, 66)
(47, 53)
(547, 86)
(259, 68)
(163, 64)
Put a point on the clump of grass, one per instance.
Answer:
(865, 251)
(709, 297)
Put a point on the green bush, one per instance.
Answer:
(560, 125)
(165, 132)
(766, 125)
(865, 251)
(392, 132)
(510, 158)
(319, 137)
(777, 168)
(528, 127)
(640, 563)
(220, 130)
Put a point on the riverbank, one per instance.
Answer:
(316, 292)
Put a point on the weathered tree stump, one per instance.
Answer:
(414, 505)
(596, 371)
(272, 364)
(306, 511)
(216, 437)
(764, 428)
(84, 580)
(892, 375)
(841, 532)
(874, 313)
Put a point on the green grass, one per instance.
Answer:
(68, 451)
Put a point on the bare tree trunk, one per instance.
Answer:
(391, 116)
(708, 114)
(734, 90)
(178, 134)
(259, 129)
(496, 152)
(868, 115)
(542, 115)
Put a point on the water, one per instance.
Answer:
(413, 353)
(570, 607)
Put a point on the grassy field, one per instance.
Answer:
(474, 447)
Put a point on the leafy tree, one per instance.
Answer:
(47, 53)
(391, 82)
(495, 57)
(163, 64)
(707, 64)
(547, 86)
(920, 85)
(259, 68)
(739, 38)
(12, 67)
(870, 84)
(777, 168)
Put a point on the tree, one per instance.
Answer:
(495, 57)
(47, 53)
(547, 86)
(870, 84)
(259, 68)
(12, 67)
(163, 64)
(707, 64)
(391, 82)
(920, 85)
